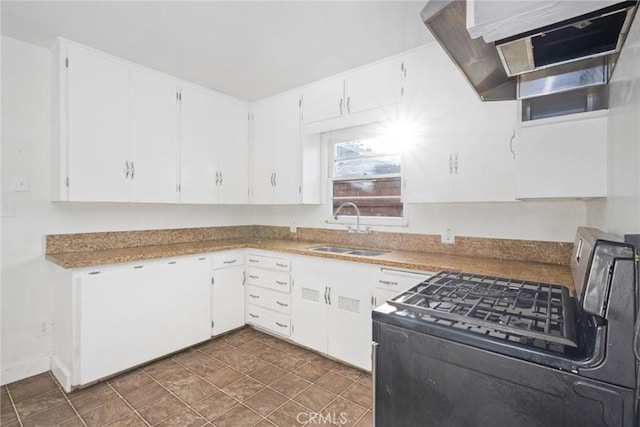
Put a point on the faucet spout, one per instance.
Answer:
(357, 230)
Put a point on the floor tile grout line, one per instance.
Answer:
(70, 404)
(135, 411)
(13, 405)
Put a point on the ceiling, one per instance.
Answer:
(248, 49)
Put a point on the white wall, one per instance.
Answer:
(620, 212)
(552, 221)
(26, 293)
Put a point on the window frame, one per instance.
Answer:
(345, 135)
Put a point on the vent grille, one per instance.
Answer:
(310, 294)
(349, 304)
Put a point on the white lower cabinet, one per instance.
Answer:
(227, 292)
(389, 282)
(332, 308)
(112, 318)
(268, 296)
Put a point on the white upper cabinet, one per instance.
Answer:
(275, 150)
(322, 101)
(563, 158)
(233, 151)
(375, 86)
(198, 146)
(125, 133)
(154, 132)
(92, 143)
(462, 150)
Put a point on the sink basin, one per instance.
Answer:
(348, 251)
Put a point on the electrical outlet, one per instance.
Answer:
(449, 236)
(293, 228)
(44, 328)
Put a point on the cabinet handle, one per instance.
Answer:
(251, 276)
(255, 316)
(254, 296)
(513, 136)
(455, 164)
(279, 282)
(349, 105)
(281, 265)
(127, 169)
(450, 164)
(282, 304)
(329, 295)
(281, 325)
(133, 170)
(221, 177)
(271, 179)
(231, 261)
(326, 301)
(387, 282)
(275, 179)
(217, 178)
(341, 106)
(253, 260)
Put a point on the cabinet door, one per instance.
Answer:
(485, 167)
(130, 315)
(227, 304)
(563, 159)
(375, 86)
(233, 152)
(262, 143)
(154, 148)
(97, 127)
(349, 332)
(198, 146)
(427, 107)
(287, 150)
(309, 312)
(324, 100)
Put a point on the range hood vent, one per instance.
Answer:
(573, 54)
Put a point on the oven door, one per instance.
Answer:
(422, 380)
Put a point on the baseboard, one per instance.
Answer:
(61, 373)
(21, 370)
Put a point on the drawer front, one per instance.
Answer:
(399, 280)
(272, 263)
(230, 259)
(266, 298)
(276, 280)
(276, 322)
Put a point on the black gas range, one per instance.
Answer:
(463, 349)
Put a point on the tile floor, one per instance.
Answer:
(244, 379)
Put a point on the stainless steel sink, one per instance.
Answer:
(348, 251)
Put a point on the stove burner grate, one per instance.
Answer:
(498, 306)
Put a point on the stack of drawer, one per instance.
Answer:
(269, 293)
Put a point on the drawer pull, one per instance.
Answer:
(253, 260)
(281, 265)
(255, 316)
(282, 304)
(281, 283)
(387, 282)
(281, 325)
(232, 261)
(254, 296)
(251, 276)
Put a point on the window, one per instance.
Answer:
(367, 171)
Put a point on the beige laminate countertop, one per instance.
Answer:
(547, 273)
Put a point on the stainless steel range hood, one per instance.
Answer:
(575, 53)
(478, 61)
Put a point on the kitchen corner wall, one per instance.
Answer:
(620, 212)
(26, 294)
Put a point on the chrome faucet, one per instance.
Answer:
(350, 229)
